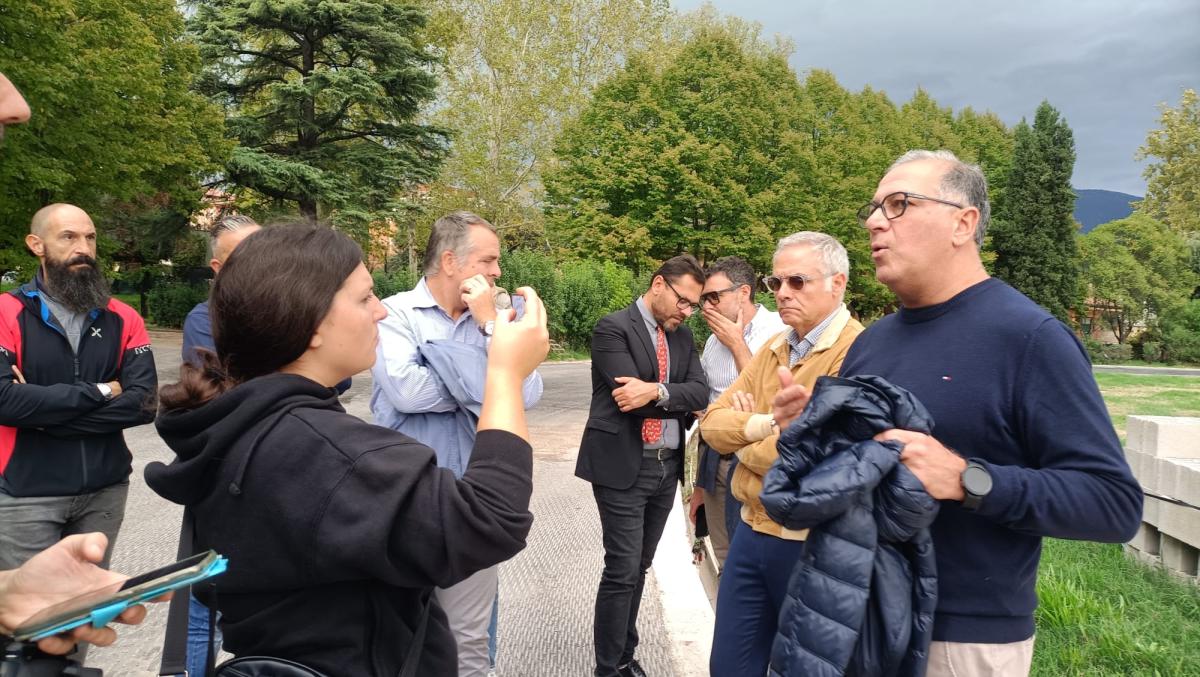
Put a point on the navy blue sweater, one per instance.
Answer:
(1010, 386)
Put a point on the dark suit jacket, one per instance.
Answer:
(610, 453)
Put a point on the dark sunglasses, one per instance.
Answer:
(715, 296)
(794, 282)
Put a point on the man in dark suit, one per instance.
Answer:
(646, 382)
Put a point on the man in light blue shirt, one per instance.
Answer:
(739, 327)
(455, 300)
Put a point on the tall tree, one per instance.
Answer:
(698, 154)
(514, 71)
(1136, 270)
(322, 98)
(114, 122)
(1035, 245)
(1173, 192)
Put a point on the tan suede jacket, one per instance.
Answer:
(750, 435)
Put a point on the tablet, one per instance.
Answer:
(100, 607)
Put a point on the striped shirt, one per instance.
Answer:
(802, 345)
(717, 361)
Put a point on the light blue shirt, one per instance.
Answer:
(670, 429)
(720, 369)
(801, 346)
(407, 395)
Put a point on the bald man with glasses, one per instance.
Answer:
(809, 282)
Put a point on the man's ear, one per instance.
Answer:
(35, 245)
(965, 226)
(449, 262)
(839, 283)
(215, 264)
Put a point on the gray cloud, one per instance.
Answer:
(1105, 65)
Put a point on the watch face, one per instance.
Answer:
(976, 481)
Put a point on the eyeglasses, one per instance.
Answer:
(715, 296)
(680, 302)
(794, 282)
(895, 204)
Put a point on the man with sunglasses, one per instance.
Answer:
(1023, 446)
(646, 382)
(809, 282)
(739, 328)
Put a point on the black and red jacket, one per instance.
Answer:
(58, 435)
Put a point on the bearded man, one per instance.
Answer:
(75, 371)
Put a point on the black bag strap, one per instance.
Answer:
(174, 651)
(413, 660)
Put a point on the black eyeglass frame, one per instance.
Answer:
(868, 209)
(680, 302)
(715, 295)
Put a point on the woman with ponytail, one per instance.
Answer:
(335, 529)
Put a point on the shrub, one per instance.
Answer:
(392, 282)
(171, 300)
(584, 301)
(1180, 329)
(1102, 353)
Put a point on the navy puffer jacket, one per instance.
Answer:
(861, 600)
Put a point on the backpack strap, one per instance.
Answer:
(174, 651)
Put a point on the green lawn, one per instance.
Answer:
(1100, 612)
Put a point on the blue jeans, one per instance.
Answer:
(197, 638)
(753, 586)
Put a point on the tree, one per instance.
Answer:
(114, 120)
(1035, 242)
(1135, 270)
(697, 154)
(1173, 191)
(322, 98)
(514, 71)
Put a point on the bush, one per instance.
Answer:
(1180, 329)
(171, 300)
(392, 282)
(1152, 351)
(584, 301)
(1102, 353)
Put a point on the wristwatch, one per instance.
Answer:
(105, 390)
(488, 328)
(663, 393)
(976, 484)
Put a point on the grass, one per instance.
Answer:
(1101, 612)
(1128, 394)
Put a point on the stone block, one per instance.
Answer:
(1170, 436)
(1181, 479)
(1179, 556)
(1135, 434)
(1150, 512)
(1179, 522)
(1147, 540)
(1141, 465)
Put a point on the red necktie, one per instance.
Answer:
(652, 427)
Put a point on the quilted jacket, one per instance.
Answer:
(862, 598)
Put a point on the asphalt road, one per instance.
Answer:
(547, 591)
(1146, 371)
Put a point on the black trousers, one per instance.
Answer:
(632, 522)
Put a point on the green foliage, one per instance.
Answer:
(514, 71)
(584, 300)
(394, 281)
(1135, 270)
(1173, 190)
(322, 98)
(115, 126)
(1180, 330)
(171, 301)
(1108, 353)
(1034, 238)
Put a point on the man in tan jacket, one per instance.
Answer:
(809, 281)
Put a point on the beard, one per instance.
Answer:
(79, 289)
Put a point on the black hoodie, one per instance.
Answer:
(335, 529)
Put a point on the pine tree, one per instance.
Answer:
(322, 98)
(1034, 239)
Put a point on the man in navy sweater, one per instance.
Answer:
(1022, 446)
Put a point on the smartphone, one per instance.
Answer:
(99, 607)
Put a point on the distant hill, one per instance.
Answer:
(1094, 207)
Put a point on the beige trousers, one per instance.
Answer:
(958, 659)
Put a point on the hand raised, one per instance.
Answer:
(519, 346)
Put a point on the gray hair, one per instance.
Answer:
(227, 224)
(833, 255)
(736, 269)
(962, 181)
(451, 232)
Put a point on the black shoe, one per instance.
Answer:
(631, 669)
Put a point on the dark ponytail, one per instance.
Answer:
(266, 304)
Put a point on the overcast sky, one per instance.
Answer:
(1105, 65)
